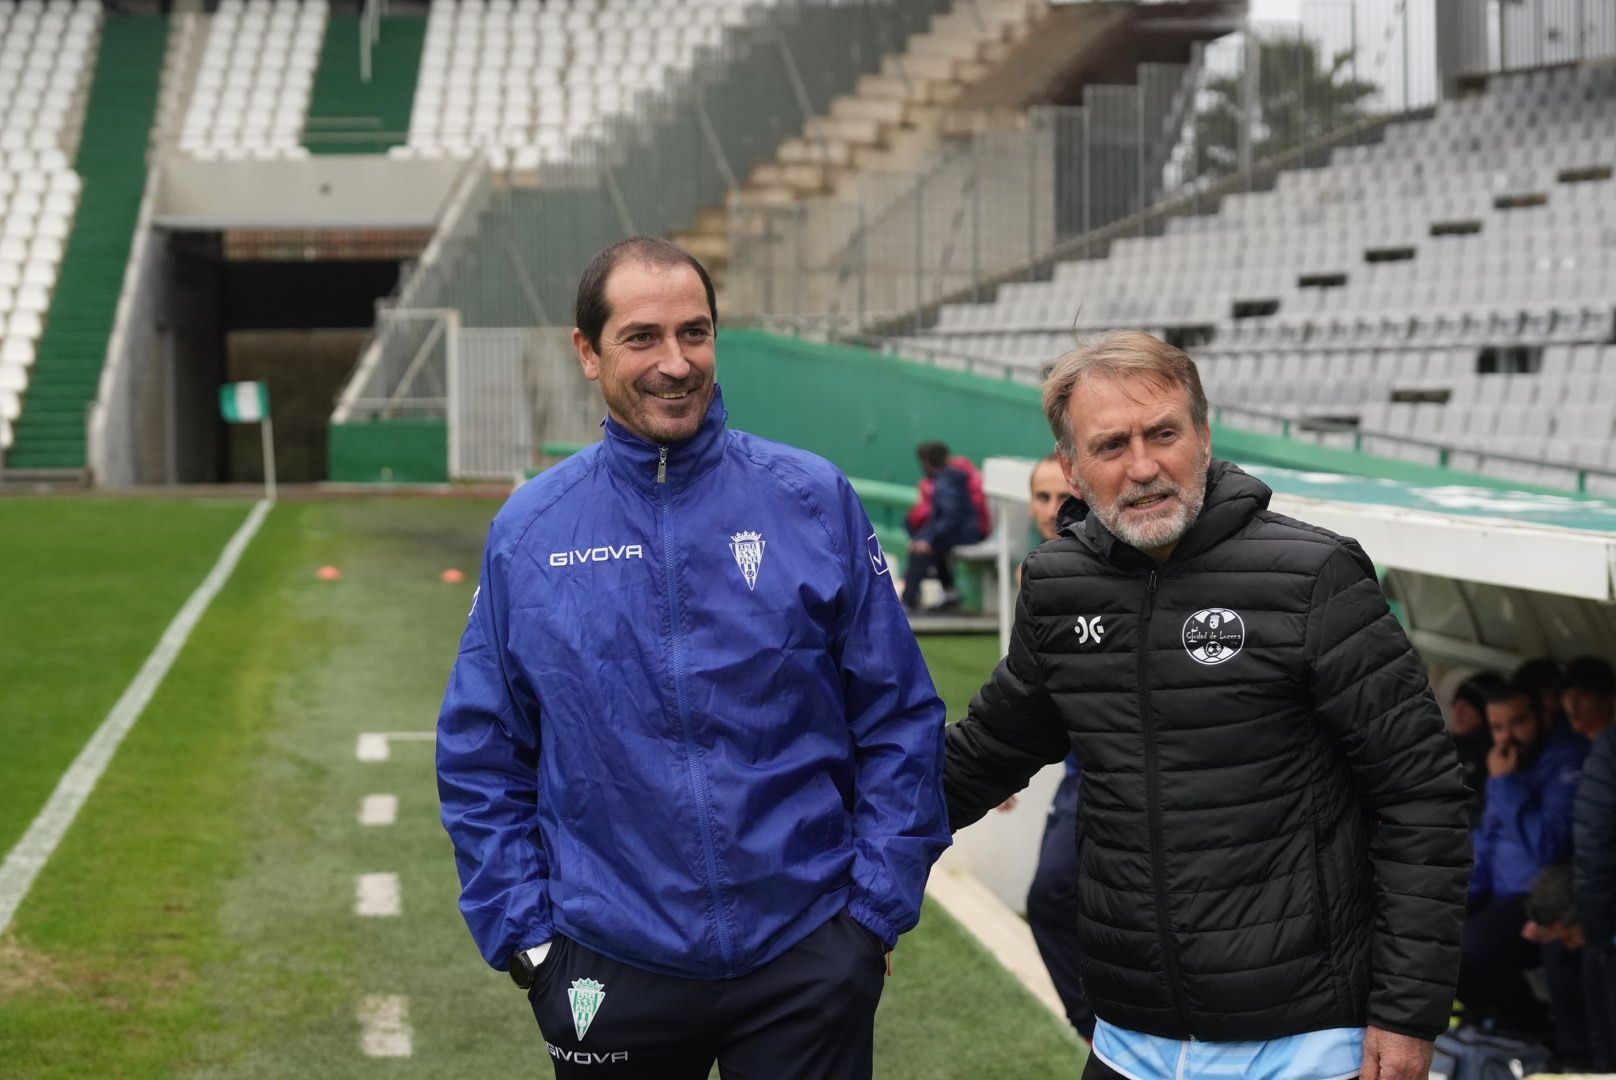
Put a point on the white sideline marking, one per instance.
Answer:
(377, 745)
(999, 930)
(384, 1026)
(378, 810)
(377, 894)
(372, 748)
(28, 858)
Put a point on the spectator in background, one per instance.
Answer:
(1467, 723)
(1052, 899)
(1594, 866)
(938, 525)
(1532, 781)
(1588, 694)
(1543, 676)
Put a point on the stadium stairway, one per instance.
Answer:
(894, 116)
(50, 433)
(350, 116)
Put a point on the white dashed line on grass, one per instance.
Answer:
(23, 864)
(377, 895)
(377, 745)
(378, 810)
(384, 1026)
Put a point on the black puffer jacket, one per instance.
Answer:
(1273, 832)
(1594, 842)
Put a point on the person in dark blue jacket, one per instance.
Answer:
(689, 755)
(953, 521)
(1052, 911)
(1594, 870)
(1533, 770)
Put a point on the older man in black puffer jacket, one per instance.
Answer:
(1274, 845)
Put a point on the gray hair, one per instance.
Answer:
(1119, 354)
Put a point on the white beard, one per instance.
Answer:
(1157, 530)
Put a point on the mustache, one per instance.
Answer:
(1148, 491)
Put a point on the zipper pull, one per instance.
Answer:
(1152, 586)
(662, 468)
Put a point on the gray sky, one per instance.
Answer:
(1274, 9)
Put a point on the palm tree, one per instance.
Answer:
(1299, 97)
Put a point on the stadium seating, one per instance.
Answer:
(523, 80)
(251, 96)
(1452, 283)
(45, 54)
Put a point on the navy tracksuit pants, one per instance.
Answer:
(1052, 906)
(809, 1014)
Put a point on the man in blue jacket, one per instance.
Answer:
(689, 755)
(952, 523)
(1533, 770)
(1594, 866)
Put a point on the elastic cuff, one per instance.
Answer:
(866, 917)
(536, 935)
(1425, 1034)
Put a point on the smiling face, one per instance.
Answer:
(656, 361)
(1048, 492)
(1137, 459)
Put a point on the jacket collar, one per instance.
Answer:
(636, 459)
(1233, 497)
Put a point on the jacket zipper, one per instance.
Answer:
(693, 771)
(1153, 782)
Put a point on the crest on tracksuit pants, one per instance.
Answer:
(747, 548)
(585, 996)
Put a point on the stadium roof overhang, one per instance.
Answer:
(1483, 577)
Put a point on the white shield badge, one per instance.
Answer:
(585, 996)
(747, 548)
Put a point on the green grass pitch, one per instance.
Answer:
(197, 920)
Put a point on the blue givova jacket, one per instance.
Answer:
(688, 723)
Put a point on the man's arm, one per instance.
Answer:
(1595, 843)
(488, 784)
(1370, 691)
(1011, 731)
(896, 719)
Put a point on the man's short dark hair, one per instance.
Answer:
(1475, 690)
(1553, 901)
(590, 312)
(1591, 675)
(1542, 674)
(932, 454)
(1510, 691)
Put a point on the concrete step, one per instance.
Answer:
(770, 196)
(916, 68)
(829, 152)
(901, 152)
(952, 46)
(807, 177)
(886, 86)
(711, 219)
(711, 248)
(833, 128)
(886, 110)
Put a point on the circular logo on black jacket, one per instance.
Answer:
(1213, 635)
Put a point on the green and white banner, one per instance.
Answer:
(244, 402)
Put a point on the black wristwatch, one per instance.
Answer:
(524, 966)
